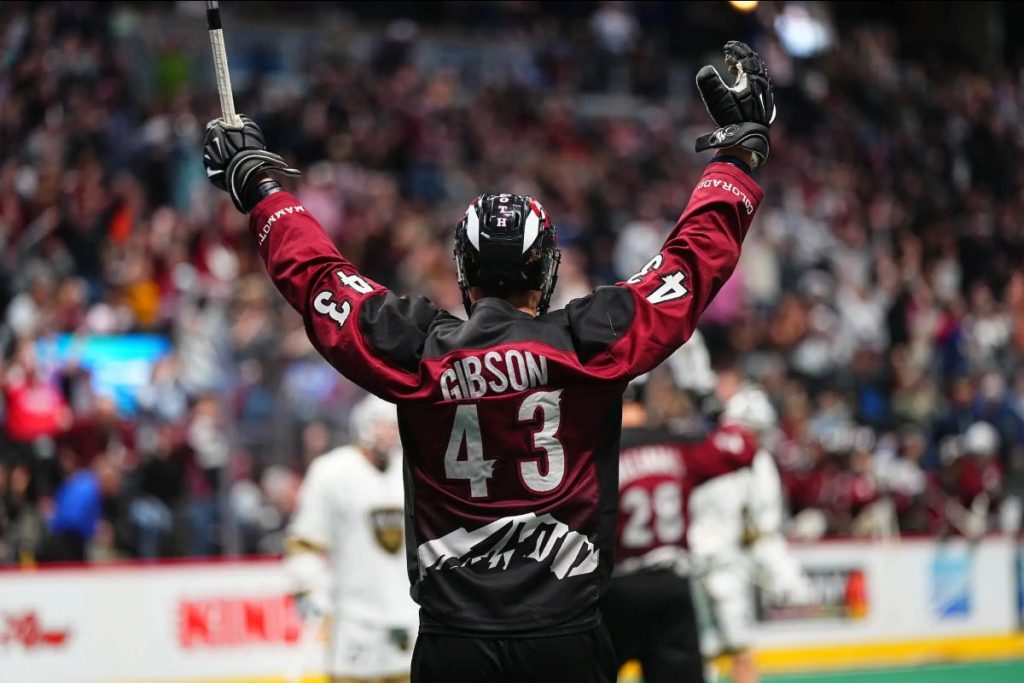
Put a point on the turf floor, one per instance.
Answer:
(990, 672)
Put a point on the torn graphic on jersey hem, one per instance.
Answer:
(512, 540)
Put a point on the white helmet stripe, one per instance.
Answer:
(531, 229)
(473, 227)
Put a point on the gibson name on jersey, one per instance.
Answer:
(495, 372)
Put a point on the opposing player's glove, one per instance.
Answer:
(313, 605)
(742, 112)
(237, 160)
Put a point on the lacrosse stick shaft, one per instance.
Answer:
(220, 64)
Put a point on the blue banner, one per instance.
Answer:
(118, 364)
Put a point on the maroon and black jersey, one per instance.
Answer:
(509, 423)
(657, 472)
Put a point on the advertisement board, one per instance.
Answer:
(218, 621)
(871, 592)
(1020, 587)
(232, 622)
(837, 593)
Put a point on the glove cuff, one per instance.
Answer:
(246, 181)
(733, 160)
(752, 137)
(257, 192)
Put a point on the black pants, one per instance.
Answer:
(575, 658)
(651, 618)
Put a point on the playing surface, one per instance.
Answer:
(947, 673)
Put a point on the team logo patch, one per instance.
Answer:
(723, 134)
(388, 525)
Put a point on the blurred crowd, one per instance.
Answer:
(879, 300)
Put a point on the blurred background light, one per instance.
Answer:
(802, 33)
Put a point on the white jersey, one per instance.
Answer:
(735, 540)
(715, 534)
(726, 512)
(779, 572)
(766, 499)
(721, 569)
(355, 512)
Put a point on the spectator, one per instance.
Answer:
(161, 492)
(78, 510)
(881, 287)
(101, 432)
(902, 476)
(208, 443)
(26, 310)
(22, 527)
(35, 412)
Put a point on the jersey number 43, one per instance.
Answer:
(477, 470)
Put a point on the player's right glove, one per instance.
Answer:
(237, 161)
(742, 112)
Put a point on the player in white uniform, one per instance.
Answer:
(736, 540)
(350, 514)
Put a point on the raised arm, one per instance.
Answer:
(650, 315)
(626, 330)
(370, 335)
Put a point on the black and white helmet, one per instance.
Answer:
(507, 243)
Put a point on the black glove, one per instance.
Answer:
(236, 160)
(743, 112)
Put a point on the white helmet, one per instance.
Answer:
(691, 366)
(365, 417)
(750, 408)
(981, 439)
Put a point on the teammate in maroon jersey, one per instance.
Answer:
(510, 419)
(648, 608)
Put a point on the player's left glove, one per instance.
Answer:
(742, 112)
(237, 161)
